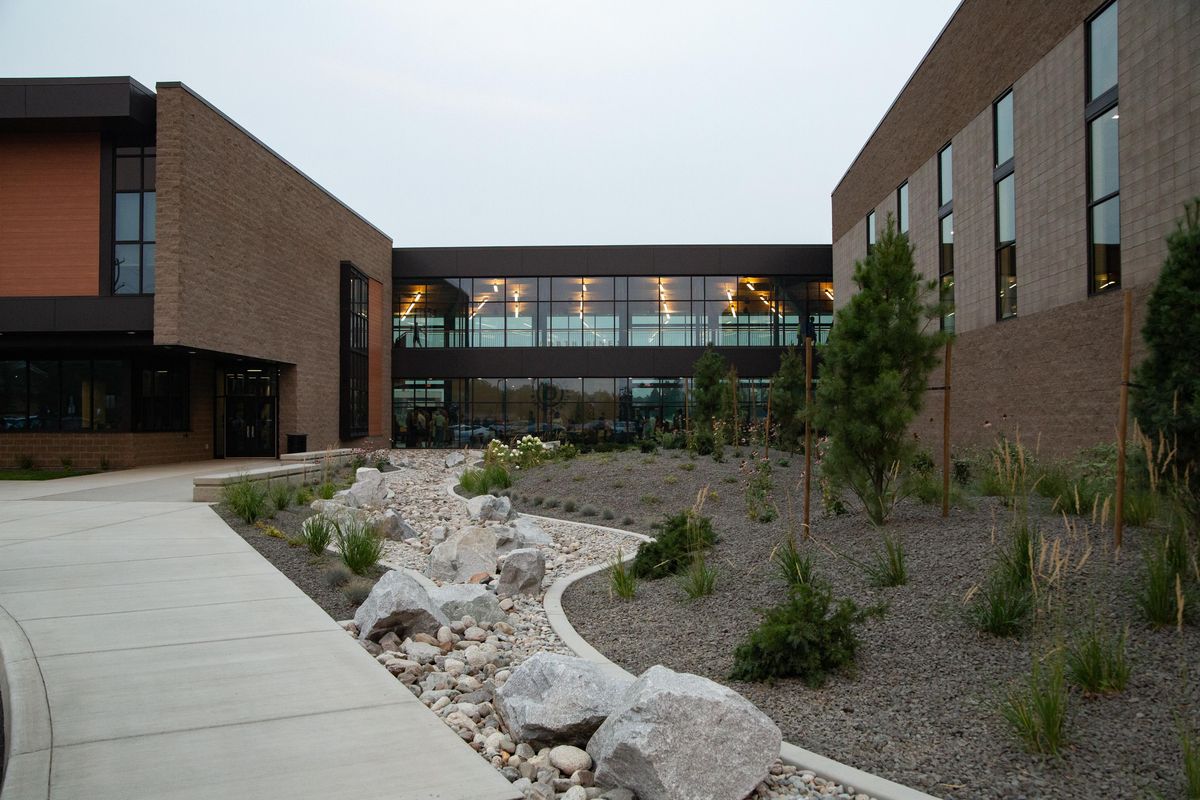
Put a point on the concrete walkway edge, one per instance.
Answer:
(27, 730)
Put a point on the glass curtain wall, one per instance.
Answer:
(625, 311)
(458, 412)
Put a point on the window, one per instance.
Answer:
(870, 232)
(134, 206)
(1102, 115)
(902, 207)
(53, 395)
(355, 381)
(161, 396)
(946, 236)
(1005, 199)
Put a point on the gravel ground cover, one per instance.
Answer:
(922, 707)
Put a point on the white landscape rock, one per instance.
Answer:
(465, 554)
(489, 508)
(399, 601)
(521, 532)
(369, 489)
(651, 741)
(458, 600)
(454, 459)
(522, 573)
(559, 699)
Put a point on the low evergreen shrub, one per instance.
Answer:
(807, 637)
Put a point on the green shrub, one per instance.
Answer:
(245, 498)
(758, 494)
(792, 565)
(671, 551)
(650, 499)
(337, 574)
(588, 511)
(806, 637)
(1141, 507)
(358, 590)
(1017, 557)
(483, 480)
(566, 451)
(551, 502)
(608, 514)
(925, 487)
(1096, 661)
(1085, 497)
(569, 506)
(317, 532)
(621, 580)
(960, 471)
(688, 466)
(281, 494)
(326, 490)
(699, 579)
(627, 520)
(1053, 481)
(304, 496)
(889, 567)
(1001, 606)
(922, 463)
(1037, 710)
(25, 462)
(360, 545)
(67, 463)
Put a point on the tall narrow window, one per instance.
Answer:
(946, 236)
(1101, 114)
(902, 207)
(134, 205)
(870, 232)
(1006, 207)
(355, 377)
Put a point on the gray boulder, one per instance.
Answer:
(458, 600)
(369, 489)
(531, 533)
(488, 508)
(393, 526)
(468, 552)
(556, 699)
(387, 522)
(522, 573)
(399, 602)
(649, 744)
(454, 459)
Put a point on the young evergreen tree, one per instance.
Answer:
(708, 388)
(873, 374)
(1166, 394)
(787, 400)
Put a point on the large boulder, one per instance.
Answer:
(393, 526)
(521, 532)
(469, 552)
(369, 489)
(387, 522)
(522, 573)
(458, 600)
(556, 699)
(399, 602)
(650, 741)
(488, 508)
(454, 459)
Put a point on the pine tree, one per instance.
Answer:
(708, 388)
(787, 400)
(1166, 395)
(873, 374)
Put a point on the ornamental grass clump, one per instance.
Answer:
(700, 578)
(326, 490)
(1189, 744)
(1096, 662)
(890, 566)
(793, 566)
(484, 480)
(282, 494)
(245, 498)
(621, 580)
(1167, 595)
(1037, 709)
(680, 536)
(317, 532)
(360, 545)
(807, 637)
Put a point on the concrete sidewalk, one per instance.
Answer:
(162, 483)
(147, 651)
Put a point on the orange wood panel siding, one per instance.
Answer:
(49, 215)
(378, 393)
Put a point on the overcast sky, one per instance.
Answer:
(475, 123)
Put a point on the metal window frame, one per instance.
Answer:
(1093, 110)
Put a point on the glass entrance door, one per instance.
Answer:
(247, 404)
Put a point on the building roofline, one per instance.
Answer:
(269, 149)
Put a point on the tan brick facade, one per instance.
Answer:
(1053, 372)
(248, 262)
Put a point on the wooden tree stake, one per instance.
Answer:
(808, 370)
(1123, 420)
(767, 429)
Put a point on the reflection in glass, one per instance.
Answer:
(1102, 48)
(946, 175)
(1004, 129)
(1106, 177)
(1106, 245)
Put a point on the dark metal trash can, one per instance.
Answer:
(297, 442)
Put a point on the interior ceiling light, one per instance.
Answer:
(410, 306)
(750, 285)
(829, 294)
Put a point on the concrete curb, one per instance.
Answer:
(28, 735)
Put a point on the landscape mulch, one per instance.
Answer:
(922, 706)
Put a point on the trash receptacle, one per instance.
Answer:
(297, 442)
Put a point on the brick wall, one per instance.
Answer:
(1053, 377)
(248, 260)
(49, 214)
